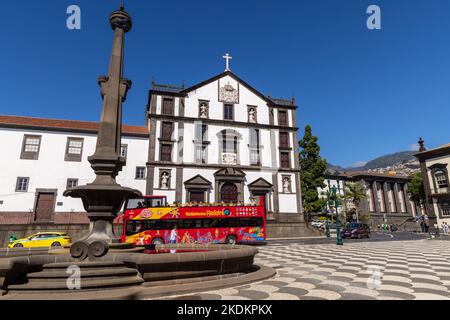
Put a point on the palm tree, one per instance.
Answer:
(328, 202)
(355, 192)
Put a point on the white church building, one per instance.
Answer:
(220, 140)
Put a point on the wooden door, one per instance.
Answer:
(45, 207)
(229, 193)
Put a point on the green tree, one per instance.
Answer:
(416, 189)
(355, 192)
(313, 169)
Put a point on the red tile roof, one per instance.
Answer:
(65, 125)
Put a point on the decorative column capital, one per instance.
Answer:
(121, 19)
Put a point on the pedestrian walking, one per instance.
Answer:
(426, 222)
(445, 228)
(174, 235)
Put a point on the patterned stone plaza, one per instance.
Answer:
(385, 270)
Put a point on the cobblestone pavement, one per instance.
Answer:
(401, 270)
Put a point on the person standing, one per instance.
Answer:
(174, 235)
(445, 228)
(426, 222)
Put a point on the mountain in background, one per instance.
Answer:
(385, 162)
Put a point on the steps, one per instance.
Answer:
(58, 277)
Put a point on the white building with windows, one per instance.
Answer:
(434, 166)
(43, 157)
(387, 199)
(219, 141)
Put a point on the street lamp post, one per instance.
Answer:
(338, 227)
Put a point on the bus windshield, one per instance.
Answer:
(146, 203)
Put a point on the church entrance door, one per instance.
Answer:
(229, 193)
(45, 207)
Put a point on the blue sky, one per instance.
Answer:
(365, 93)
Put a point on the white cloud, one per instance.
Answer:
(414, 147)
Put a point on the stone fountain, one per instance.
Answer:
(119, 270)
(103, 198)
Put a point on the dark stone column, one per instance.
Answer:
(276, 199)
(103, 198)
(386, 198)
(181, 107)
(179, 185)
(275, 166)
(407, 200)
(429, 199)
(376, 204)
(397, 198)
(150, 179)
(180, 159)
(364, 205)
(297, 166)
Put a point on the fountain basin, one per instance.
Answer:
(172, 268)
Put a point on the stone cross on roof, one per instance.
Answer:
(227, 58)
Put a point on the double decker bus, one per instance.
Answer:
(149, 220)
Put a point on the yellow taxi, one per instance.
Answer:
(42, 239)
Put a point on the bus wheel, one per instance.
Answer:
(157, 241)
(56, 244)
(231, 239)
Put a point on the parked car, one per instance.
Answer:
(356, 230)
(316, 224)
(42, 239)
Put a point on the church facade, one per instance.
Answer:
(223, 141)
(219, 141)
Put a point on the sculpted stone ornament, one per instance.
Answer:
(103, 198)
(203, 110)
(228, 94)
(252, 115)
(286, 185)
(165, 180)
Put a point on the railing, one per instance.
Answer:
(165, 87)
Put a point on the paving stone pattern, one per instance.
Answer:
(402, 270)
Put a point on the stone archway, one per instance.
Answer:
(227, 177)
(262, 187)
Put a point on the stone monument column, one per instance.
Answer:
(103, 198)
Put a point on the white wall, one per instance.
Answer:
(210, 92)
(50, 171)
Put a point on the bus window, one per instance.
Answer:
(156, 202)
(251, 222)
(135, 204)
(134, 227)
(211, 223)
(154, 225)
(187, 224)
(169, 224)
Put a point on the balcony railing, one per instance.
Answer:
(440, 191)
(229, 158)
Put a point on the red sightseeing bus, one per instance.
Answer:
(150, 220)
